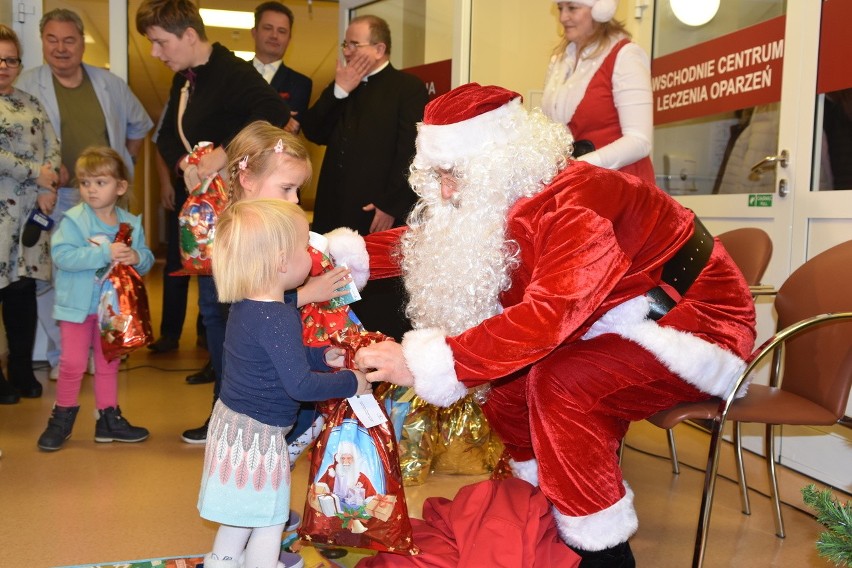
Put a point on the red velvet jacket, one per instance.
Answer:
(590, 241)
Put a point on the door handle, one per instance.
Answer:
(767, 164)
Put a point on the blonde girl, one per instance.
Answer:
(80, 247)
(261, 252)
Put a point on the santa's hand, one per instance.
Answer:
(331, 472)
(384, 361)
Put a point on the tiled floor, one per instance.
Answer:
(107, 502)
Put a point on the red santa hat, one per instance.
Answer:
(466, 122)
(602, 10)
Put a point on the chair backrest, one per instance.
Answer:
(818, 363)
(751, 249)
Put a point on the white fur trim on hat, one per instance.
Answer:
(704, 365)
(600, 530)
(526, 470)
(430, 360)
(602, 10)
(348, 247)
(444, 145)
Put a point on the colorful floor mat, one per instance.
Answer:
(311, 556)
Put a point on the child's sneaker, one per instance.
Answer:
(113, 427)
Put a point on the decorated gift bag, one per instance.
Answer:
(320, 319)
(356, 496)
(197, 219)
(123, 315)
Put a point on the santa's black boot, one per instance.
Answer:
(619, 556)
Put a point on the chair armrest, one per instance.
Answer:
(770, 346)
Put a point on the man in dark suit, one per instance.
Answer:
(272, 32)
(367, 119)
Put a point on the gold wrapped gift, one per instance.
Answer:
(417, 446)
(466, 444)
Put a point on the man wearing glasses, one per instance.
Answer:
(88, 106)
(367, 120)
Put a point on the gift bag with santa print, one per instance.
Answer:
(123, 314)
(197, 219)
(355, 495)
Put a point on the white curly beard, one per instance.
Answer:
(456, 259)
(456, 262)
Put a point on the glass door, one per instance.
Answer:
(745, 137)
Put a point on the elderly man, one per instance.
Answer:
(577, 298)
(87, 106)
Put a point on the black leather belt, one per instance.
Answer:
(681, 270)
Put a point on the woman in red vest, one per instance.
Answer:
(599, 84)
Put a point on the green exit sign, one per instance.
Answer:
(760, 200)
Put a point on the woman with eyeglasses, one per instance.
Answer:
(599, 85)
(29, 165)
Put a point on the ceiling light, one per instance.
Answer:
(227, 19)
(694, 12)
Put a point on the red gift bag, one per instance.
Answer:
(355, 496)
(197, 219)
(123, 314)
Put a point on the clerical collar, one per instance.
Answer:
(378, 70)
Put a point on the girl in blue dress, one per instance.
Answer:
(261, 251)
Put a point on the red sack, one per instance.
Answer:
(123, 314)
(355, 496)
(197, 219)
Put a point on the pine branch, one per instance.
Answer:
(836, 543)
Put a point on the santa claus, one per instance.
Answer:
(577, 299)
(345, 478)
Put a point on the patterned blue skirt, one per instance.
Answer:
(246, 478)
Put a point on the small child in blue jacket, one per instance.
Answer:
(81, 246)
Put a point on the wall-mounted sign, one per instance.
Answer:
(760, 200)
(436, 76)
(738, 70)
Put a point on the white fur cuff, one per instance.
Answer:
(600, 530)
(447, 144)
(430, 360)
(708, 367)
(526, 470)
(347, 247)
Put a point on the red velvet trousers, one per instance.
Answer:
(571, 411)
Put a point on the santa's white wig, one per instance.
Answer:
(457, 258)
